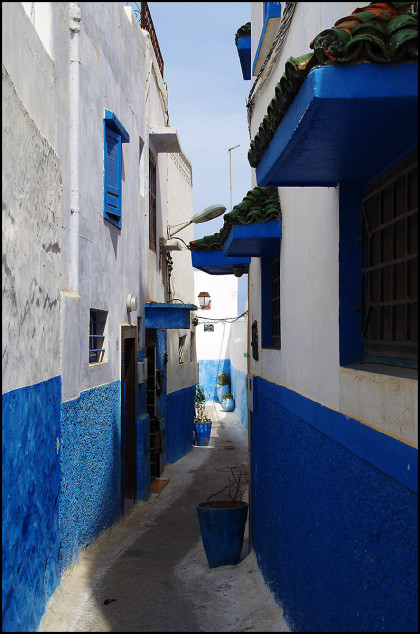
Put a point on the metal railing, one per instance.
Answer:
(144, 18)
(146, 23)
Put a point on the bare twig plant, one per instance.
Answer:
(237, 482)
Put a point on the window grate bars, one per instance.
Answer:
(389, 272)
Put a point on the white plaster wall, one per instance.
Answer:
(30, 67)
(238, 344)
(116, 69)
(180, 209)
(308, 296)
(117, 73)
(309, 358)
(31, 248)
(185, 374)
(223, 291)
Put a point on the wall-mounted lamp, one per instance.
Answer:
(209, 213)
(204, 300)
(238, 271)
(131, 302)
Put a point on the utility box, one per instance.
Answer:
(141, 371)
(251, 394)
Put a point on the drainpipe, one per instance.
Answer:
(75, 16)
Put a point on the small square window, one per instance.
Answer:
(97, 326)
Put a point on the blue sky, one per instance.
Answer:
(207, 96)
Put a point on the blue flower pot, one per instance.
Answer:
(222, 526)
(202, 433)
(221, 390)
(228, 404)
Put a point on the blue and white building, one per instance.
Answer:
(99, 364)
(333, 307)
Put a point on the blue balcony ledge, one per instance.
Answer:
(347, 123)
(272, 18)
(253, 240)
(215, 263)
(162, 315)
(244, 52)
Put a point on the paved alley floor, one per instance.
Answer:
(149, 572)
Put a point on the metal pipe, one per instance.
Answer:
(74, 143)
(230, 171)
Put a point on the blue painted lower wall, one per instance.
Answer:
(143, 457)
(209, 370)
(238, 388)
(335, 536)
(179, 427)
(91, 468)
(142, 438)
(30, 493)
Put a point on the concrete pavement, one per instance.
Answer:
(149, 572)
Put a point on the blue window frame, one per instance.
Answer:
(270, 300)
(97, 325)
(379, 269)
(114, 135)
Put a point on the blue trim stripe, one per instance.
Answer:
(391, 456)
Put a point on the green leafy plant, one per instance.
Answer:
(223, 379)
(228, 395)
(200, 404)
(237, 483)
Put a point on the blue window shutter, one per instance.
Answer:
(112, 176)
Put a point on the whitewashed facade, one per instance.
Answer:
(84, 423)
(333, 442)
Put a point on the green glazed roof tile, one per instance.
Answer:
(380, 33)
(260, 204)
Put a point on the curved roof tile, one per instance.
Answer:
(260, 204)
(377, 33)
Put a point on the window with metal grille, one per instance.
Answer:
(97, 335)
(390, 267)
(275, 300)
(152, 202)
(181, 348)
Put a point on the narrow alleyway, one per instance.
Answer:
(149, 572)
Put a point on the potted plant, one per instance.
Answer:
(223, 385)
(222, 522)
(202, 424)
(228, 402)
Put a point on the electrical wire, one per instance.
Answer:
(222, 319)
(176, 238)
